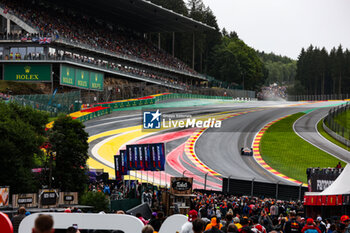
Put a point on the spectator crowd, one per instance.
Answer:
(77, 27)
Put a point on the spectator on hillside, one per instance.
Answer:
(310, 227)
(214, 223)
(187, 227)
(147, 229)
(158, 221)
(43, 224)
(16, 220)
(292, 226)
(346, 221)
(139, 216)
(231, 228)
(198, 226)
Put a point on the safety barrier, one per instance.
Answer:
(339, 132)
(190, 96)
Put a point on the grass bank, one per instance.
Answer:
(329, 137)
(286, 152)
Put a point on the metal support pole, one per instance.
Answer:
(277, 190)
(193, 49)
(228, 184)
(173, 50)
(300, 192)
(205, 181)
(183, 174)
(158, 40)
(252, 188)
(8, 27)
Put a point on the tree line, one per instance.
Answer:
(320, 72)
(22, 148)
(281, 69)
(218, 53)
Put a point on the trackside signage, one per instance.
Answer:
(27, 72)
(67, 75)
(96, 81)
(81, 78)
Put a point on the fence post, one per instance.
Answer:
(252, 188)
(205, 181)
(228, 184)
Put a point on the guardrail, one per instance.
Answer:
(318, 97)
(336, 130)
(257, 188)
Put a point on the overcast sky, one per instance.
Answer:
(285, 26)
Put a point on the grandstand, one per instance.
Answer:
(79, 44)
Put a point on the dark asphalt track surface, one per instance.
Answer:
(306, 127)
(219, 149)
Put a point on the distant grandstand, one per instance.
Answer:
(78, 44)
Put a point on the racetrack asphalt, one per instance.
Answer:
(306, 128)
(219, 149)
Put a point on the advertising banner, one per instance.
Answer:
(161, 156)
(96, 81)
(4, 196)
(130, 157)
(124, 160)
(117, 167)
(153, 157)
(181, 185)
(27, 72)
(26, 200)
(320, 180)
(68, 198)
(48, 197)
(67, 75)
(82, 78)
(147, 157)
(141, 157)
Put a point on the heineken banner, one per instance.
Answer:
(27, 72)
(67, 75)
(82, 78)
(96, 81)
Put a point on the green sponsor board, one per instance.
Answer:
(96, 81)
(67, 75)
(82, 78)
(27, 72)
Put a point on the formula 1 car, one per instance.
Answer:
(247, 151)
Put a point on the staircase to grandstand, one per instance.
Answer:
(8, 15)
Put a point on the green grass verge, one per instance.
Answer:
(286, 152)
(343, 119)
(329, 137)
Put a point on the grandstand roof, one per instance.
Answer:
(140, 15)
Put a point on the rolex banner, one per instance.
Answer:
(27, 72)
(96, 81)
(81, 78)
(67, 75)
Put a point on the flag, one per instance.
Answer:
(124, 159)
(44, 40)
(117, 167)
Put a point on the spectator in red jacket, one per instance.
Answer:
(310, 227)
